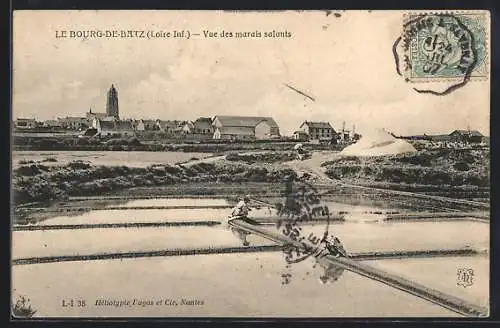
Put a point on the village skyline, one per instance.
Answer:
(100, 112)
(185, 79)
(338, 126)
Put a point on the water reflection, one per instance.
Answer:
(330, 272)
(241, 234)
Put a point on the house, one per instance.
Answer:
(124, 128)
(168, 126)
(318, 130)
(52, 124)
(180, 127)
(74, 123)
(104, 128)
(234, 133)
(300, 135)
(119, 128)
(347, 136)
(146, 125)
(90, 116)
(26, 123)
(97, 121)
(467, 136)
(188, 128)
(244, 127)
(202, 126)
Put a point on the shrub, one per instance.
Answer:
(115, 141)
(28, 170)
(78, 165)
(82, 141)
(437, 177)
(134, 141)
(478, 180)
(368, 170)
(158, 171)
(468, 158)
(24, 162)
(172, 169)
(423, 158)
(461, 166)
(349, 170)
(347, 159)
(270, 157)
(392, 174)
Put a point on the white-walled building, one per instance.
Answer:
(244, 127)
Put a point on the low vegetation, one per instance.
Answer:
(134, 144)
(266, 157)
(424, 171)
(444, 167)
(38, 182)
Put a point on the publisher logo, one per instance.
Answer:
(465, 277)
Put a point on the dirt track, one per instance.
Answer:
(313, 166)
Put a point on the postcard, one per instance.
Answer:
(250, 164)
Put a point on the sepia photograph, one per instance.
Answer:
(250, 164)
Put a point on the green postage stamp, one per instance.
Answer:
(445, 46)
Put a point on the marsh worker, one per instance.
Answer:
(241, 209)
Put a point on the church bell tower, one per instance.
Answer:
(112, 103)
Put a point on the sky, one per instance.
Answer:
(343, 60)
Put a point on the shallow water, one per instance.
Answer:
(360, 232)
(244, 284)
(129, 158)
(241, 285)
(356, 237)
(404, 236)
(441, 274)
(198, 202)
(203, 213)
(120, 240)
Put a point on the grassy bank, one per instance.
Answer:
(40, 183)
(428, 170)
(446, 172)
(265, 157)
(73, 143)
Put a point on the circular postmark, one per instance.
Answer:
(302, 205)
(439, 53)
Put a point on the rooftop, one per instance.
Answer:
(245, 121)
(473, 133)
(321, 125)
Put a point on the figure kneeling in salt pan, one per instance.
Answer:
(241, 211)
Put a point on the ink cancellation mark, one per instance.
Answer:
(301, 206)
(445, 48)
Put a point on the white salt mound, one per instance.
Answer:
(378, 143)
